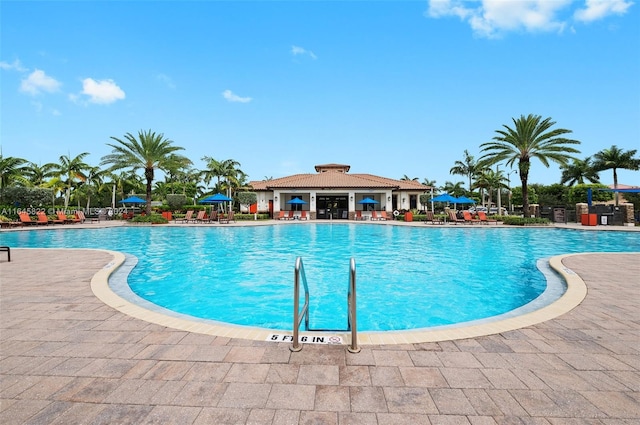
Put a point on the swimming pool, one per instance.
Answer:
(407, 277)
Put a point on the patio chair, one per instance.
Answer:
(281, 215)
(187, 217)
(43, 218)
(66, 219)
(431, 218)
(374, 215)
(453, 218)
(383, 215)
(26, 219)
(482, 216)
(290, 215)
(303, 215)
(468, 218)
(200, 217)
(359, 216)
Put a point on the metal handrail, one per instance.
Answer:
(351, 300)
(297, 314)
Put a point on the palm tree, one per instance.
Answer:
(38, 175)
(491, 180)
(615, 158)
(468, 167)
(407, 178)
(176, 164)
(149, 151)
(578, 171)
(454, 189)
(10, 171)
(531, 138)
(69, 170)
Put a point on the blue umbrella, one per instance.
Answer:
(297, 201)
(214, 199)
(465, 200)
(445, 197)
(368, 201)
(133, 200)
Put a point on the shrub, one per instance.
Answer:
(525, 221)
(153, 219)
(176, 201)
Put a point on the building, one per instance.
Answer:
(333, 193)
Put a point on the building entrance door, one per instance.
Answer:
(332, 207)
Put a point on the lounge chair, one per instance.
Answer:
(303, 215)
(468, 218)
(281, 215)
(26, 219)
(200, 217)
(453, 218)
(66, 219)
(431, 218)
(374, 215)
(230, 217)
(290, 215)
(43, 218)
(80, 215)
(187, 217)
(359, 216)
(383, 215)
(482, 216)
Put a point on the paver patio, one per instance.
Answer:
(67, 358)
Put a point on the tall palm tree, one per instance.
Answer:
(37, 174)
(616, 159)
(11, 170)
(578, 171)
(532, 137)
(491, 181)
(71, 170)
(468, 167)
(176, 164)
(149, 151)
(454, 189)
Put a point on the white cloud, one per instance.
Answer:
(599, 9)
(492, 18)
(231, 97)
(15, 65)
(102, 92)
(297, 50)
(166, 80)
(38, 82)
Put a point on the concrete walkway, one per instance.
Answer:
(67, 358)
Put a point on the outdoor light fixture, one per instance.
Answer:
(276, 198)
(403, 200)
(389, 199)
(312, 198)
(352, 198)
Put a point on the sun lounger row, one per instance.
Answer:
(291, 215)
(43, 218)
(202, 217)
(375, 215)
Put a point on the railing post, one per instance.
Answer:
(353, 322)
(296, 346)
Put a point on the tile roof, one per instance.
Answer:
(335, 180)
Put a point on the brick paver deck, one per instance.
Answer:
(67, 358)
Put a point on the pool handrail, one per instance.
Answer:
(298, 315)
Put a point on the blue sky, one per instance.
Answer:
(391, 88)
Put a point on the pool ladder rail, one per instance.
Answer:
(299, 315)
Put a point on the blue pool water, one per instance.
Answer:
(407, 277)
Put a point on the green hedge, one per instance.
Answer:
(525, 221)
(153, 219)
